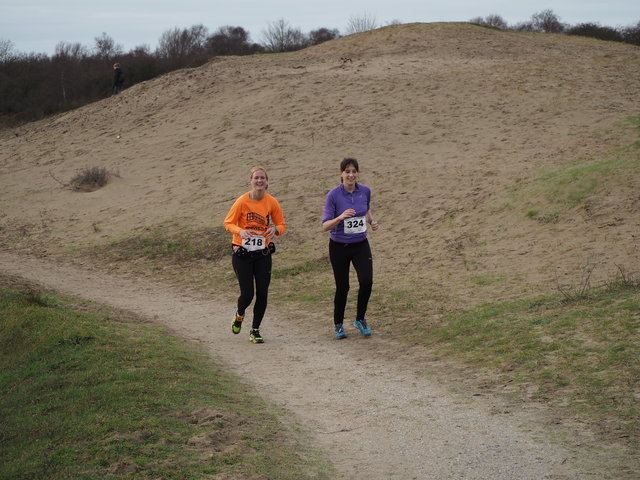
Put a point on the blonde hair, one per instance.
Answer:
(258, 168)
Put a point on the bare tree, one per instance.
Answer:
(361, 23)
(547, 21)
(523, 27)
(6, 50)
(67, 59)
(106, 48)
(70, 51)
(322, 35)
(231, 41)
(492, 20)
(143, 50)
(631, 34)
(281, 37)
(179, 44)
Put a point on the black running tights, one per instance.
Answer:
(248, 270)
(341, 256)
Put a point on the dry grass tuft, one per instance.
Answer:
(90, 179)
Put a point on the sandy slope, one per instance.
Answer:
(447, 120)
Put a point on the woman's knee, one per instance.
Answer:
(342, 286)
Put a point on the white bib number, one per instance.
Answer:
(355, 225)
(254, 243)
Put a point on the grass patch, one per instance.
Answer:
(313, 289)
(161, 244)
(571, 186)
(489, 279)
(575, 186)
(98, 395)
(583, 355)
(316, 265)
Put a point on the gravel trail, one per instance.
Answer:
(363, 403)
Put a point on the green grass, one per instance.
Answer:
(489, 279)
(583, 355)
(99, 395)
(311, 266)
(168, 245)
(578, 185)
(571, 186)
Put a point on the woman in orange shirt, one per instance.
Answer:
(254, 219)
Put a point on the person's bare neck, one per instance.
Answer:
(253, 195)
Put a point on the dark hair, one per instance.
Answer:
(349, 161)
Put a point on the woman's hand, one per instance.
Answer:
(329, 224)
(246, 234)
(374, 225)
(271, 231)
(348, 213)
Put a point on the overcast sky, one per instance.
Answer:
(39, 25)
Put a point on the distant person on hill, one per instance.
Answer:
(347, 211)
(254, 219)
(118, 78)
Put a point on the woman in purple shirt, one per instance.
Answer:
(346, 215)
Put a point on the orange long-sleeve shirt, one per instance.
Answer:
(254, 215)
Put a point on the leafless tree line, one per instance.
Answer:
(548, 22)
(33, 85)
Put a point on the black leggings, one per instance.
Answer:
(253, 267)
(341, 256)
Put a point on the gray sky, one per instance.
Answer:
(39, 25)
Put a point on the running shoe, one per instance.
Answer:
(236, 325)
(339, 329)
(255, 337)
(363, 327)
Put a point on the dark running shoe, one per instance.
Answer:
(255, 337)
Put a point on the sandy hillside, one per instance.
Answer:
(474, 142)
(448, 120)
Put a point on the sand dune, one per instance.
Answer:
(446, 119)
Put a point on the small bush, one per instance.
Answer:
(90, 179)
(170, 247)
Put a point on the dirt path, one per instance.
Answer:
(377, 418)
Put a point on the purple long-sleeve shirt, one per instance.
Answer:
(338, 200)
